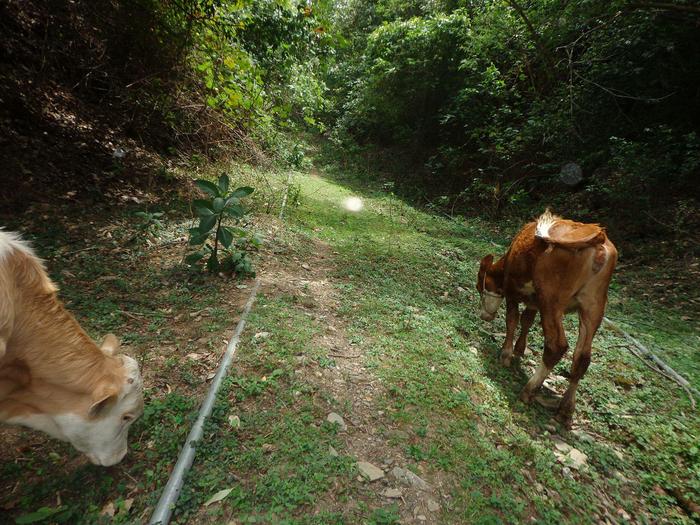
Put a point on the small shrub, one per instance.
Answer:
(225, 247)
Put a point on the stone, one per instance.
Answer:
(578, 458)
(561, 445)
(369, 471)
(566, 472)
(333, 452)
(261, 336)
(338, 420)
(433, 506)
(407, 477)
(583, 436)
(392, 493)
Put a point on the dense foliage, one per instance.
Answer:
(493, 97)
(249, 65)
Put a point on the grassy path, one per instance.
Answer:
(373, 315)
(370, 315)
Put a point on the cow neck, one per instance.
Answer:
(57, 350)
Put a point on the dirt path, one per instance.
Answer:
(367, 435)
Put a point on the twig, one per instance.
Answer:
(345, 356)
(647, 354)
(66, 254)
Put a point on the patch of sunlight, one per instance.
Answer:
(353, 204)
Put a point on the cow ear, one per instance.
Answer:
(103, 403)
(486, 263)
(110, 345)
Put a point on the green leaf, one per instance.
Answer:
(243, 191)
(39, 515)
(198, 239)
(231, 200)
(226, 237)
(223, 183)
(212, 264)
(218, 205)
(235, 211)
(207, 187)
(202, 207)
(207, 223)
(194, 258)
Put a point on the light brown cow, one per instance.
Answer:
(555, 266)
(53, 377)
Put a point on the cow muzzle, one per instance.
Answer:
(106, 461)
(490, 302)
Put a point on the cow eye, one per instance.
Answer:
(127, 417)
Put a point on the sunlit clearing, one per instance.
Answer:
(353, 204)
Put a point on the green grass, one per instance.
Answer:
(404, 279)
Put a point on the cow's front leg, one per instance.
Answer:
(555, 346)
(512, 318)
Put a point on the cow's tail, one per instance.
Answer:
(544, 223)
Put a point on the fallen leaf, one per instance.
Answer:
(218, 497)
(108, 510)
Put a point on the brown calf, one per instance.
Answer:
(555, 266)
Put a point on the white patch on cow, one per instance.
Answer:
(527, 289)
(10, 241)
(544, 223)
(538, 378)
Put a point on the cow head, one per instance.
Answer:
(490, 289)
(100, 431)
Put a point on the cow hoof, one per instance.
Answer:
(506, 360)
(566, 420)
(526, 396)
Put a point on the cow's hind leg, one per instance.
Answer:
(589, 321)
(512, 317)
(555, 346)
(526, 320)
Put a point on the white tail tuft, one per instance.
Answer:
(10, 241)
(544, 222)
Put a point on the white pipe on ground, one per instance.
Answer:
(166, 504)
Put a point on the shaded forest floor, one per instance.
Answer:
(370, 315)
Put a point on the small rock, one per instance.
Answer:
(566, 472)
(369, 471)
(234, 421)
(335, 418)
(620, 477)
(420, 517)
(306, 267)
(618, 454)
(392, 493)
(268, 447)
(583, 436)
(261, 335)
(624, 515)
(547, 402)
(561, 445)
(433, 506)
(578, 458)
(407, 477)
(333, 452)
